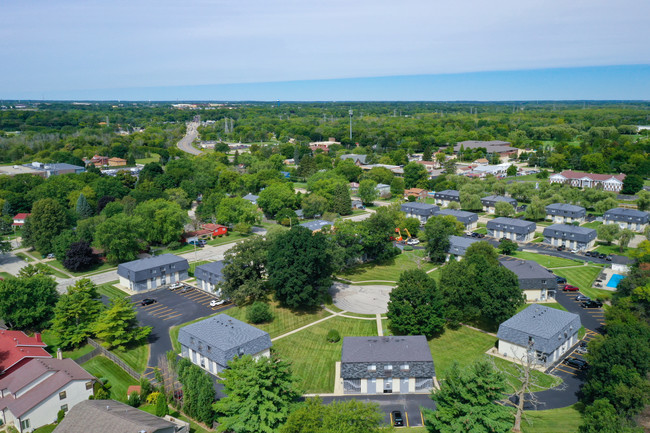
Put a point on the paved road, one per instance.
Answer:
(409, 404)
(186, 142)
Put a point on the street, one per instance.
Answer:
(186, 142)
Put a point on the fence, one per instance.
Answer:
(100, 350)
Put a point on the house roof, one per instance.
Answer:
(488, 145)
(51, 374)
(583, 233)
(511, 225)
(110, 416)
(251, 197)
(419, 208)
(412, 348)
(497, 198)
(213, 227)
(316, 224)
(459, 244)
(565, 207)
(209, 269)
(461, 215)
(623, 214)
(360, 158)
(526, 269)
(570, 174)
(16, 346)
(381, 186)
(447, 193)
(21, 216)
(152, 262)
(416, 191)
(543, 324)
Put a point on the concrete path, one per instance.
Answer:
(309, 324)
(380, 328)
(371, 299)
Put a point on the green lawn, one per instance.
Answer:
(313, 358)
(565, 420)
(388, 270)
(555, 305)
(583, 277)
(102, 367)
(135, 357)
(52, 341)
(481, 230)
(183, 249)
(110, 291)
(462, 345)
(5, 275)
(613, 249)
(194, 427)
(46, 428)
(153, 158)
(193, 266)
(547, 261)
(25, 257)
(56, 272)
(102, 266)
(592, 225)
(232, 237)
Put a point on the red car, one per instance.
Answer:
(570, 288)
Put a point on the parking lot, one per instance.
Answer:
(409, 405)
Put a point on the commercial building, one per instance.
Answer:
(152, 272)
(54, 169)
(511, 228)
(579, 179)
(570, 236)
(632, 219)
(563, 213)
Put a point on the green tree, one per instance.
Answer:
(466, 402)
(367, 191)
(449, 166)
(244, 270)
(313, 205)
(602, 417)
(536, 211)
(5, 246)
(436, 233)
(62, 242)
(198, 392)
(416, 306)
(624, 238)
(260, 395)
(512, 170)
(27, 303)
(118, 325)
(608, 232)
(48, 219)
(508, 247)
(235, 210)
(299, 268)
(471, 202)
(413, 226)
(275, 197)
(341, 202)
(643, 200)
(259, 312)
(603, 206)
(161, 405)
(84, 210)
(75, 314)
(557, 161)
(632, 184)
(352, 416)
(415, 175)
(503, 209)
(397, 187)
(179, 196)
(120, 236)
(162, 221)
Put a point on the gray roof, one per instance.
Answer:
(567, 231)
(222, 337)
(488, 145)
(251, 197)
(527, 269)
(360, 158)
(143, 269)
(565, 209)
(412, 348)
(461, 215)
(458, 245)
(103, 416)
(54, 166)
(511, 225)
(382, 186)
(546, 325)
(627, 215)
(493, 199)
(419, 208)
(448, 194)
(210, 272)
(316, 224)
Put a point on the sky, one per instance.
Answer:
(324, 50)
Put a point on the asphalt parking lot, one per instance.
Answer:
(409, 405)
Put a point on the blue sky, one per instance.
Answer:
(325, 50)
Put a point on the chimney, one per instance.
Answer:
(38, 338)
(59, 353)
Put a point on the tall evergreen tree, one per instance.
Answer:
(83, 208)
(341, 202)
(426, 156)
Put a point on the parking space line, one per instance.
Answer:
(168, 313)
(422, 418)
(156, 308)
(163, 313)
(406, 414)
(569, 372)
(171, 317)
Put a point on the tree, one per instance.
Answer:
(244, 271)
(608, 232)
(643, 200)
(466, 401)
(449, 166)
(84, 210)
(299, 268)
(313, 205)
(118, 325)
(367, 191)
(62, 242)
(80, 257)
(557, 161)
(397, 187)
(602, 417)
(275, 197)
(27, 303)
(415, 175)
(179, 196)
(161, 405)
(536, 211)
(632, 184)
(260, 395)
(603, 206)
(624, 238)
(120, 236)
(508, 247)
(259, 312)
(75, 314)
(503, 209)
(162, 221)
(436, 232)
(48, 219)
(512, 170)
(341, 202)
(427, 154)
(5, 246)
(413, 226)
(471, 202)
(416, 305)
(286, 217)
(235, 210)
(350, 416)
(198, 391)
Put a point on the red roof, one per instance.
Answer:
(213, 227)
(21, 216)
(569, 174)
(197, 233)
(16, 346)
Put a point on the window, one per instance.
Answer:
(543, 281)
(64, 408)
(62, 395)
(388, 369)
(24, 424)
(192, 340)
(89, 385)
(372, 367)
(404, 367)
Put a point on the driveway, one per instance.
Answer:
(371, 299)
(409, 404)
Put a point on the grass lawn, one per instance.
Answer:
(481, 230)
(102, 266)
(388, 270)
(135, 357)
(46, 428)
(110, 291)
(613, 249)
(555, 305)
(153, 158)
(313, 358)
(232, 237)
(52, 341)
(193, 266)
(583, 277)
(462, 345)
(565, 420)
(25, 257)
(547, 261)
(56, 272)
(194, 427)
(183, 249)
(592, 225)
(102, 367)
(5, 275)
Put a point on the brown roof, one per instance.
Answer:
(51, 374)
(569, 174)
(16, 346)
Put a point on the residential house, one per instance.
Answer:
(494, 147)
(563, 213)
(482, 161)
(354, 187)
(32, 395)
(535, 281)
(19, 219)
(431, 166)
(469, 219)
(632, 219)
(323, 145)
(97, 161)
(212, 342)
(494, 170)
(17, 349)
(357, 204)
(608, 182)
(570, 236)
(383, 190)
(443, 198)
(490, 202)
(152, 272)
(316, 225)
(192, 237)
(538, 333)
(394, 168)
(116, 162)
(357, 159)
(208, 277)
(215, 229)
(418, 193)
(110, 416)
(48, 169)
(251, 198)
(458, 245)
(511, 228)
(375, 365)
(421, 211)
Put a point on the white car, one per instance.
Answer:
(214, 302)
(176, 286)
(575, 251)
(412, 242)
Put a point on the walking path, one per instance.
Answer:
(380, 328)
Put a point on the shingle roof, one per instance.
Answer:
(498, 198)
(447, 193)
(316, 224)
(543, 323)
(251, 197)
(458, 245)
(583, 234)
(210, 272)
(569, 174)
(565, 207)
(104, 416)
(623, 214)
(152, 262)
(511, 225)
(419, 208)
(525, 269)
(412, 348)
(360, 158)
(16, 346)
(461, 215)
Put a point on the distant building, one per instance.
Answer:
(458, 245)
(431, 166)
(357, 159)
(13, 170)
(251, 198)
(421, 211)
(354, 187)
(469, 219)
(580, 238)
(511, 228)
(535, 281)
(212, 342)
(116, 162)
(383, 189)
(19, 219)
(376, 365)
(608, 182)
(54, 169)
(316, 225)
(215, 229)
(97, 161)
(443, 198)
(632, 219)
(495, 147)
(153, 272)
(563, 213)
(489, 202)
(323, 145)
(418, 193)
(208, 277)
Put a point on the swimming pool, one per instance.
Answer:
(616, 278)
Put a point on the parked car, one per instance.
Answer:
(175, 286)
(570, 288)
(398, 421)
(215, 302)
(608, 258)
(602, 256)
(582, 350)
(588, 253)
(474, 234)
(560, 280)
(412, 242)
(561, 248)
(592, 304)
(575, 251)
(580, 364)
(582, 298)
(481, 235)
(148, 301)
(197, 243)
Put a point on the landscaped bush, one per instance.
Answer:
(333, 336)
(60, 415)
(133, 399)
(259, 312)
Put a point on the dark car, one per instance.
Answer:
(602, 256)
(561, 248)
(481, 235)
(592, 304)
(560, 280)
(580, 364)
(588, 253)
(570, 288)
(398, 421)
(147, 301)
(474, 234)
(608, 258)
(582, 298)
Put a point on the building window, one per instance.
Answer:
(209, 349)
(62, 395)
(388, 369)
(372, 367)
(192, 340)
(89, 385)
(404, 367)
(64, 408)
(24, 424)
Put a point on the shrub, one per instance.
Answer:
(134, 399)
(333, 336)
(242, 228)
(174, 245)
(60, 415)
(145, 389)
(153, 397)
(161, 406)
(259, 312)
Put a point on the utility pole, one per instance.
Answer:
(350, 125)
